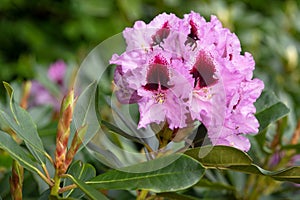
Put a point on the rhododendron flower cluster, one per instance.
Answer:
(184, 70)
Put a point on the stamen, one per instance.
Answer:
(160, 97)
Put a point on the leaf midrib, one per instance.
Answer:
(142, 177)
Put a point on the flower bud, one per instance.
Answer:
(76, 142)
(16, 181)
(63, 131)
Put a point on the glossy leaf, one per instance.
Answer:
(269, 109)
(91, 192)
(81, 171)
(30, 135)
(176, 196)
(16, 152)
(219, 156)
(104, 155)
(85, 115)
(249, 169)
(214, 185)
(8, 89)
(45, 195)
(143, 136)
(22, 124)
(229, 158)
(5, 160)
(172, 173)
(41, 115)
(119, 131)
(291, 174)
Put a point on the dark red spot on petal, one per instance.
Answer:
(161, 34)
(203, 71)
(193, 31)
(236, 105)
(157, 75)
(192, 36)
(159, 60)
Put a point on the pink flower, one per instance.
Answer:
(57, 71)
(40, 95)
(184, 70)
(155, 83)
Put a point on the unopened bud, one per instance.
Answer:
(63, 131)
(67, 101)
(76, 142)
(25, 94)
(16, 181)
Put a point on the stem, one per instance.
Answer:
(49, 158)
(55, 188)
(46, 171)
(148, 148)
(164, 136)
(47, 180)
(143, 194)
(69, 187)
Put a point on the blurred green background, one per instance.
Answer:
(38, 32)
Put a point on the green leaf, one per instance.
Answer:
(85, 115)
(291, 146)
(30, 135)
(291, 174)
(140, 136)
(5, 160)
(16, 152)
(119, 131)
(176, 196)
(123, 195)
(45, 195)
(169, 173)
(91, 192)
(214, 185)
(269, 109)
(219, 156)
(106, 156)
(229, 158)
(22, 124)
(8, 89)
(41, 115)
(83, 172)
(249, 169)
